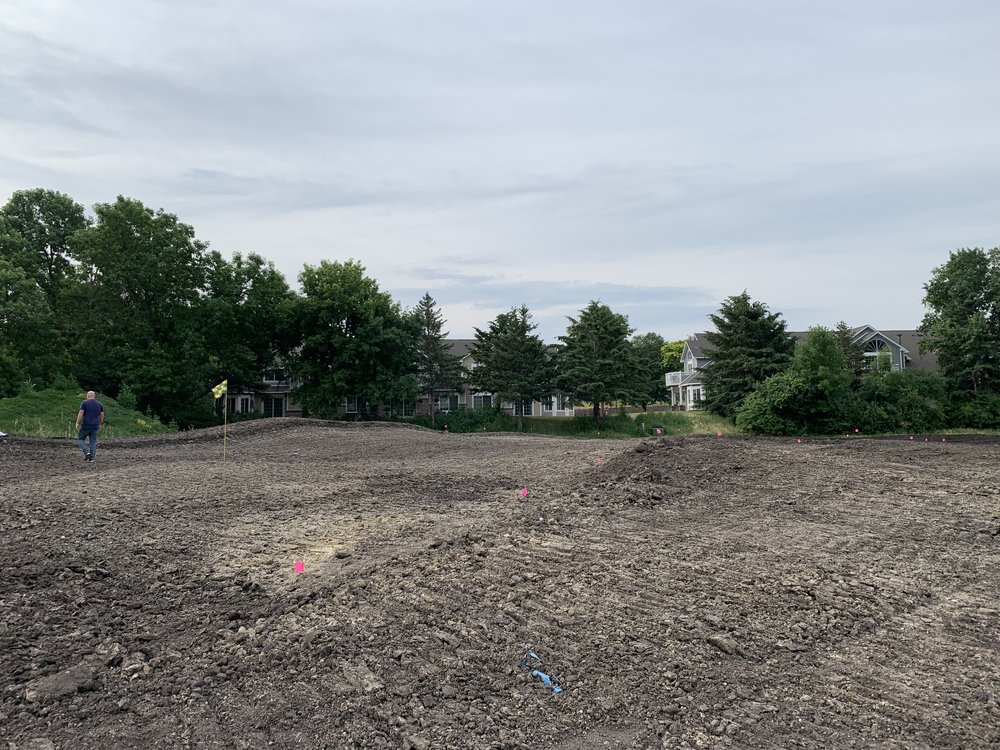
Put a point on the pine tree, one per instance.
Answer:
(512, 363)
(750, 345)
(438, 370)
(597, 362)
(854, 352)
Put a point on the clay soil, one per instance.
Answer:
(686, 592)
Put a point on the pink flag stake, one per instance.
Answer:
(718, 434)
(300, 567)
(524, 492)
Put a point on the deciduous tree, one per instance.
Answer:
(963, 321)
(136, 319)
(355, 340)
(650, 386)
(44, 220)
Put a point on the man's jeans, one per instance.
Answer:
(86, 432)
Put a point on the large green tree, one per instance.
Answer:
(43, 221)
(749, 345)
(511, 362)
(246, 315)
(355, 341)
(597, 362)
(29, 347)
(963, 321)
(438, 370)
(650, 385)
(137, 321)
(670, 355)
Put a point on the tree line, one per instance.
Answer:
(765, 382)
(130, 303)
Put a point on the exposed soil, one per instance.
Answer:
(686, 593)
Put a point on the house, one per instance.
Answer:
(467, 398)
(902, 346)
(271, 397)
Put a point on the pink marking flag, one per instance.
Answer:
(718, 434)
(300, 567)
(524, 492)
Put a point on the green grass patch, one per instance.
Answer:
(613, 425)
(52, 413)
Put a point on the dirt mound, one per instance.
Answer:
(689, 592)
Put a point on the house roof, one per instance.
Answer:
(909, 340)
(460, 347)
(699, 345)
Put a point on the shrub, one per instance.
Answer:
(126, 397)
(903, 401)
(982, 411)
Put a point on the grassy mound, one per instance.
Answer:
(52, 413)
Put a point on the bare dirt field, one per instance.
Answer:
(685, 592)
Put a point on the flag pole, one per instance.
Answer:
(225, 424)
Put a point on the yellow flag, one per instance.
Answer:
(220, 389)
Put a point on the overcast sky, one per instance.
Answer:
(658, 156)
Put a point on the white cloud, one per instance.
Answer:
(824, 157)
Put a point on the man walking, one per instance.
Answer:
(88, 421)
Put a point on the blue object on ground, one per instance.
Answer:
(548, 681)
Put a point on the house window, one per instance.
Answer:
(482, 401)
(274, 407)
(522, 408)
(274, 375)
(695, 395)
(405, 408)
(557, 403)
(246, 404)
(352, 405)
(448, 402)
(231, 404)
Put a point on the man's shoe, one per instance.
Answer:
(86, 456)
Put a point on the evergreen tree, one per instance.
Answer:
(853, 351)
(512, 363)
(438, 370)
(597, 362)
(750, 345)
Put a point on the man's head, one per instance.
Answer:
(91, 394)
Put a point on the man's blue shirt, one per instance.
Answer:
(92, 409)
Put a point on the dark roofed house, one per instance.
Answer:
(902, 346)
